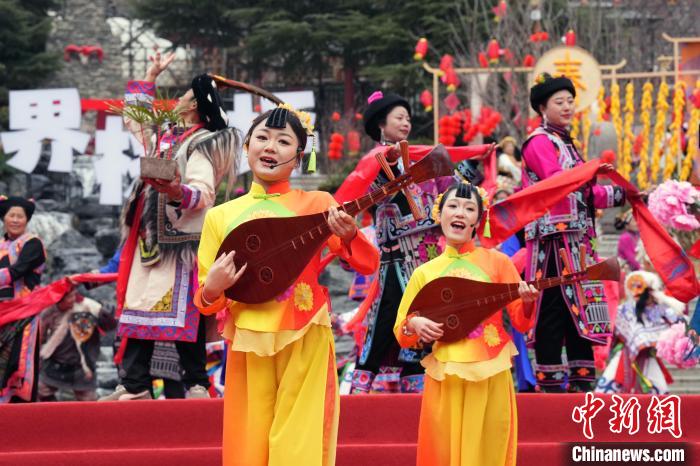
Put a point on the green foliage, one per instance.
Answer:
(24, 29)
(147, 116)
(204, 23)
(303, 38)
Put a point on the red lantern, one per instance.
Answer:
(446, 63)
(335, 147)
(529, 60)
(426, 98)
(499, 10)
(445, 131)
(335, 116)
(470, 134)
(544, 36)
(421, 49)
(456, 122)
(608, 156)
(638, 141)
(354, 145)
(570, 38)
(452, 80)
(358, 116)
(493, 51)
(257, 108)
(483, 61)
(467, 121)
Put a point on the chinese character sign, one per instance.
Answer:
(663, 415)
(579, 66)
(36, 115)
(112, 162)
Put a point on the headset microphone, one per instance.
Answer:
(283, 163)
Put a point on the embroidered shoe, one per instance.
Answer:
(197, 391)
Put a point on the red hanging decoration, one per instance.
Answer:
(493, 50)
(354, 144)
(445, 131)
(499, 11)
(335, 116)
(421, 49)
(426, 98)
(483, 61)
(446, 64)
(466, 120)
(358, 116)
(452, 102)
(452, 80)
(570, 38)
(335, 147)
(638, 141)
(529, 60)
(608, 156)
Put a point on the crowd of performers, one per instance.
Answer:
(281, 403)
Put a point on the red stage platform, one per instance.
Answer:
(374, 429)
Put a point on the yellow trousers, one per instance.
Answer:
(464, 423)
(282, 410)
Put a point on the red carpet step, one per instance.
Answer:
(374, 429)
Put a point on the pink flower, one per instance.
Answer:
(674, 345)
(669, 203)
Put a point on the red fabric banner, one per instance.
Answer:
(521, 208)
(669, 260)
(107, 105)
(695, 250)
(126, 258)
(41, 298)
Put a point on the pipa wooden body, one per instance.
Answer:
(278, 249)
(462, 304)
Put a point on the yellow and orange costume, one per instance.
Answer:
(281, 396)
(468, 414)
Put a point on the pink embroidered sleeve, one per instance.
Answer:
(541, 157)
(605, 196)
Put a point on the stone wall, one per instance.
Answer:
(84, 22)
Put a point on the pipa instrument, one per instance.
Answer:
(462, 304)
(278, 249)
